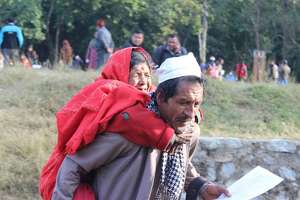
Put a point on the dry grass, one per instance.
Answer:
(261, 110)
(29, 100)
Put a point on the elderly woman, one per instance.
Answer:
(132, 66)
(123, 83)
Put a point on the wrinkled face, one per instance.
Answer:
(137, 39)
(173, 44)
(181, 109)
(140, 77)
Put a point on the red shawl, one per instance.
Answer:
(91, 110)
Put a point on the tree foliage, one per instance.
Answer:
(235, 28)
(239, 27)
(28, 15)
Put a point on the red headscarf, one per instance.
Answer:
(91, 111)
(118, 66)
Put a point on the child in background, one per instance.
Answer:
(241, 71)
(25, 62)
(32, 55)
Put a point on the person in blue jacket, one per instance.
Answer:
(11, 40)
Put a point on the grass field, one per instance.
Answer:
(30, 99)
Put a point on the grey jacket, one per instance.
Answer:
(122, 170)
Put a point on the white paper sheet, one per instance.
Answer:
(253, 184)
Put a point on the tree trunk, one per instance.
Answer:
(56, 45)
(257, 25)
(57, 34)
(285, 29)
(48, 34)
(202, 36)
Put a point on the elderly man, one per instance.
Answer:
(124, 170)
(173, 48)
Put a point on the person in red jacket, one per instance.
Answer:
(122, 84)
(241, 71)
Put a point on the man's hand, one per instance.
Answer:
(186, 133)
(110, 50)
(213, 191)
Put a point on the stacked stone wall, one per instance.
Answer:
(225, 160)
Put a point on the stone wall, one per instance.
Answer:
(224, 160)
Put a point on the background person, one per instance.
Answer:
(241, 71)
(136, 40)
(11, 41)
(1, 61)
(106, 43)
(284, 73)
(32, 55)
(91, 53)
(25, 61)
(66, 53)
(171, 49)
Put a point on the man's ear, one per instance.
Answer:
(160, 98)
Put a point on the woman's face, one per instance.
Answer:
(140, 77)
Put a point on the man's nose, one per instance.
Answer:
(189, 111)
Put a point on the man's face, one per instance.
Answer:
(137, 39)
(101, 22)
(173, 44)
(181, 109)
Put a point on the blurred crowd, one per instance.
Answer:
(101, 46)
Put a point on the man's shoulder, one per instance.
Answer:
(160, 51)
(105, 30)
(184, 50)
(164, 47)
(113, 138)
(127, 44)
(161, 48)
(100, 30)
(10, 27)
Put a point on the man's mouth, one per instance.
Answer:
(183, 121)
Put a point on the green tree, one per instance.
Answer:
(28, 15)
(238, 27)
(60, 17)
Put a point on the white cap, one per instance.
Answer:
(175, 67)
(212, 58)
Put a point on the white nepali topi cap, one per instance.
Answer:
(175, 67)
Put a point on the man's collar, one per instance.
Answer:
(152, 105)
(172, 52)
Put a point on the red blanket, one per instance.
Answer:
(100, 107)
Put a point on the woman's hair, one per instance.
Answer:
(137, 58)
